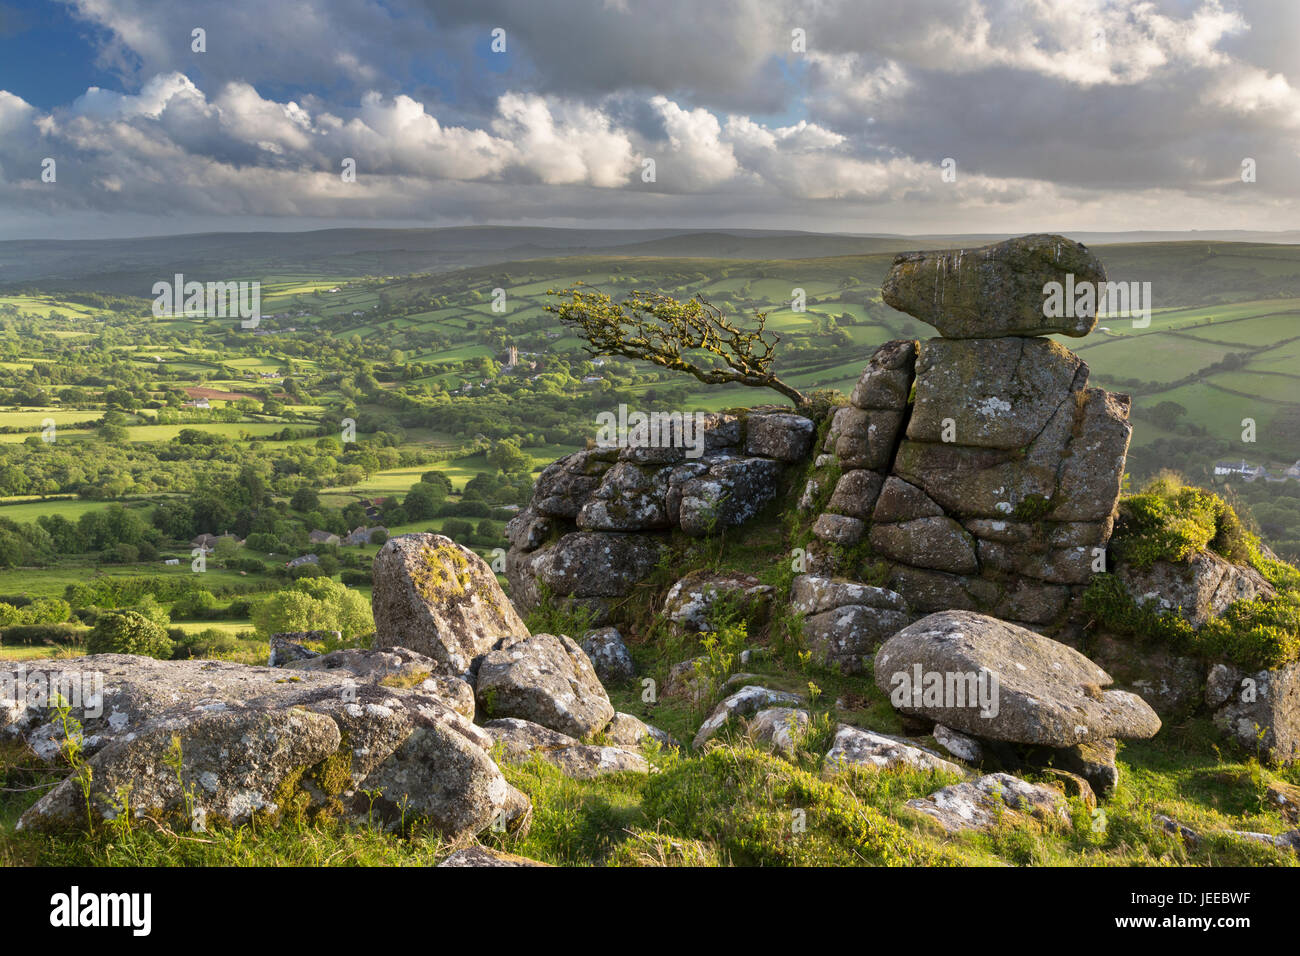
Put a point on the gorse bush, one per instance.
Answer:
(126, 632)
(1254, 633)
(1169, 521)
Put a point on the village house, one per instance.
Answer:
(362, 535)
(323, 537)
(208, 542)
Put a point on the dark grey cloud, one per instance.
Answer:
(1060, 113)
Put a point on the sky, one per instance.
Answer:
(861, 116)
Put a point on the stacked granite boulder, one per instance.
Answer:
(994, 488)
(598, 518)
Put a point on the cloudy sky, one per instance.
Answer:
(825, 115)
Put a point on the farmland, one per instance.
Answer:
(124, 434)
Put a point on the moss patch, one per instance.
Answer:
(442, 573)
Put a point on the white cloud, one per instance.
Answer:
(698, 158)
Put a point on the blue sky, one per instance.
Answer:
(1065, 115)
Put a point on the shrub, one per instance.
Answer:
(314, 604)
(1168, 521)
(207, 643)
(196, 604)
(126, 632)
(45, 611)
(33, 634)
(262, 541)
(458, 529)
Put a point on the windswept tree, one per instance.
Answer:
(665, 331)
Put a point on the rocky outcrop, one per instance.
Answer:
(843, 621)
(483, 856)
(521, 740)
(609, 656)
(854, 748)
(1260, 710)
(979, 464)
(744, 702)
(1200, 588)
(597, 518)
(779, 729)
(626, 730)
(394, 667)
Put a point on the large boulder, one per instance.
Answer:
(609, 655)
(485, 856)
(744, 702)
(546, 679)
(628, 730)
(631, 497)
(1199, 588)
(440, 599)
(995, 290)
(814, 593)
(855, 493)
(595, 564)
(565, 485)
(864, 438)
(732, 491)
(940, 543)
(208, 741)
(395, 667)
(779, 729)
(844, 621)
(886, 382)
(996, 680)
